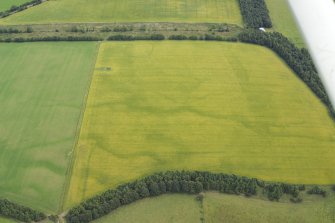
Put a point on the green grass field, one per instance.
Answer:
(225, 107)
(64, 11)
(222, 208)
(163, 209)
(283, 20)
(5, 220)
(42, 94)
(6, 4)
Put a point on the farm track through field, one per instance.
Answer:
(73, 152)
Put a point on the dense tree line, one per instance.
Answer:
(299, 60)
(11, 30)
(11, 210)
(50, 38)
(118, 37)
(317, 190)
(19, 8)
(209, 37)
(121, 28)
(178, 37)
(190, 182)
(275, 191)
(206, 37)
(133, 37)
(255, 13)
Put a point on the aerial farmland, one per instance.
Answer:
(161, 111)
(62, 11)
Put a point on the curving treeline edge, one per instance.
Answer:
(187, 182)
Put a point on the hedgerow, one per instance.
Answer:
(50, 38)
(19, 212)
(19, 8)
(121, 37)
(189, 182)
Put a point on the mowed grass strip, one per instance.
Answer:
(41, 98)
(64, 11)
(7, 4)
(164, 209)
(283, 20)
(216, 106)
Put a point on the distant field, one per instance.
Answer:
(221, 208)
(42, 94)
(6, 4)
(283, 20)
(217, 106)
(163, 209)
(225, 11)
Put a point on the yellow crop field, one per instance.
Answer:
(216, 106)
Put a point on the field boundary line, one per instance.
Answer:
(72, 159)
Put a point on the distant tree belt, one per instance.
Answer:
(255, 13)
(207, 37)
(28, 29)
(11, 210)
(189, 182)
(51, 38)
(133, 37)
(119, 37)
(317, 190)
(19, 8)
(299, 60)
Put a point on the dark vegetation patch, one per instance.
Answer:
(50, 38)
(318, 191)
(11, 210)
(255, 13)
(121, 37)
(11, 30)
